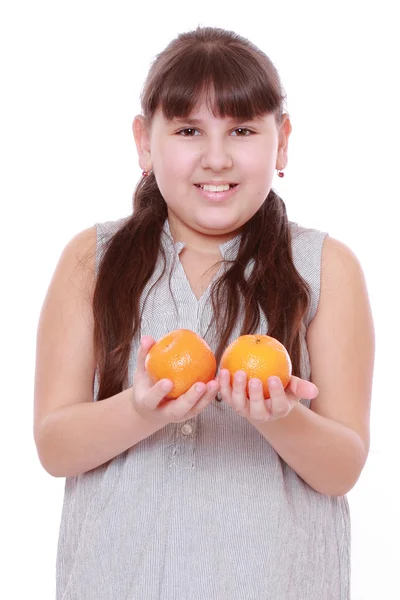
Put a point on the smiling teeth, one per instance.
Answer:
(215, 188)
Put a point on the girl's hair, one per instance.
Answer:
(235, 79)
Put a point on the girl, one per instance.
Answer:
(207, 497)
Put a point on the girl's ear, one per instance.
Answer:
(142, 140)
(284, 133)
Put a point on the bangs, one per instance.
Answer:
(233, 82)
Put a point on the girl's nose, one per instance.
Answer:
(216, 156)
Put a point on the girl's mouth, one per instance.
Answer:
(216, 188)
(217, 193)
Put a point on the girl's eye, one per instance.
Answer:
(244, 132)
(189, 132)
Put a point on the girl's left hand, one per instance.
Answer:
(256, 408)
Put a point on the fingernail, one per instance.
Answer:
(254, 383)
(240, 376)
(167, 386)
(273, 381)
(200, 387)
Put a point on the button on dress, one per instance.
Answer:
(205, 509)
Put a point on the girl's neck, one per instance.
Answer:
(197, 242)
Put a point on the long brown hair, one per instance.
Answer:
(237, 80)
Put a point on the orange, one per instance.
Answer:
(182, 356)
(258, 356)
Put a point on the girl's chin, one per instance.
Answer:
(217, 224)
(212, 224)
(215, 228)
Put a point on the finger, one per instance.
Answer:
(209, 395)
(258, 406)
(156, 394)
(182, 405)
(239, 396)
(225, 390)
(280, 403)
(302, 388)
(145, 344)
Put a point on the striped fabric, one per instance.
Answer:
(206, 509)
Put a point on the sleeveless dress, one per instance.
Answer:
(205, 509)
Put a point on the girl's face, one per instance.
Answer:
(186, 154)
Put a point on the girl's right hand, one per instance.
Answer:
(149, 400)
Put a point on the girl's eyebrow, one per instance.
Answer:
(199, 122)
(187, 121)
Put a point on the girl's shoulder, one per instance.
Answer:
(104, 232)
(307, 244)
(307, 248)
(300, 233)
(107, 229)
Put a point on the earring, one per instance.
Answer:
(281, 173)
(146, 173)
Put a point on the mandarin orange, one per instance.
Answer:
(258, 356)
(183, 357)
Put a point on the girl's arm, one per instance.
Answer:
(328, 445)
(72, 433)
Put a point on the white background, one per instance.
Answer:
(71, 75)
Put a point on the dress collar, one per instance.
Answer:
(228, 249)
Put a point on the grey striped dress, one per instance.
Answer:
(206, 509)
